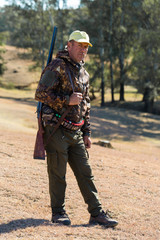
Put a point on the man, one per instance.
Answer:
(65, 83)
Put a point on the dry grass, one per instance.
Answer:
(17, 73)
(127, 178)
(130, 95)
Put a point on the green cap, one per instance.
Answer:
(80, 36)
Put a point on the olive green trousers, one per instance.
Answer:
(68, 147)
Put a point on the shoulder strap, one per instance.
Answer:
(69, 73)
(70, 78)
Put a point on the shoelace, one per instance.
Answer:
(106, 214)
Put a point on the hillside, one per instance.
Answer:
(18, 68)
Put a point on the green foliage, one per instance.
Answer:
(94, 68)
(125, 37)
(146, 54)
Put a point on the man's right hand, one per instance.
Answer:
(75, 98)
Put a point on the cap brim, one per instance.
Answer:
(84, 41)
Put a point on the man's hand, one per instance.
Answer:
(87, 141)
(75, 98)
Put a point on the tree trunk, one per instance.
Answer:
(102, 83)
(102, 67)
(121, 63)
(111, 52)
(148, 99)
(121, 59)
(121, 92)
(111, 76)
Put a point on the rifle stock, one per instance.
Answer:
(39, 151)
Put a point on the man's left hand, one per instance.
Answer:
(87, 141)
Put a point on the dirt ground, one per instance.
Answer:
(127, 176)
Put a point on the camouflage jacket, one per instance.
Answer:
(54, 90)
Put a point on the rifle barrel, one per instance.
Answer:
(39, 105)
(52, 45)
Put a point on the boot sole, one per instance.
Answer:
(108, 225)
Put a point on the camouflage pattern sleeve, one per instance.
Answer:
(49, 88)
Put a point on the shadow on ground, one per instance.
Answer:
(22, 224)
(124, 124)
(28, 101)
(31, 222)
(116, 123)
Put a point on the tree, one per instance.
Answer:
(113, 21)
(111, 49)
(146, 61)
(124, 32)
(2, 68)
(97, 26)
(61, 19)
(24, 32)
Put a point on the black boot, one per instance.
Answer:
(103, 219)
(61, 218)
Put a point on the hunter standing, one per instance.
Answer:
(65, 83)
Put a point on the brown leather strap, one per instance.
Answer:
(58, 124)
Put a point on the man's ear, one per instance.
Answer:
(69, 45)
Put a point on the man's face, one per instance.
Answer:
(77, 51)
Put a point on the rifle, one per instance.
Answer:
(39, 151)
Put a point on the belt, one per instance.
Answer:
(72, 126)
(67, 124)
